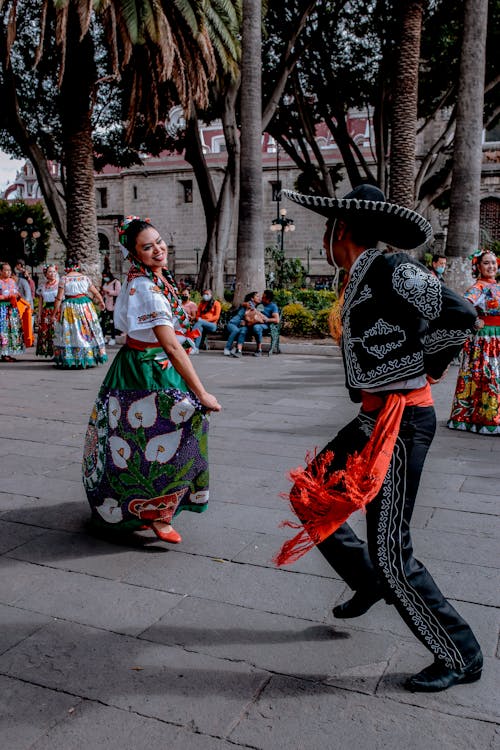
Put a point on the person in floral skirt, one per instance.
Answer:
(476, 402)
(11, 332)
(145, 457)
(46, 293)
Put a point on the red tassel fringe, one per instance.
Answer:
(324, 501)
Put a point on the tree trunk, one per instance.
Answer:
(12, 122)
(76, 95)
(219, 212)
(250, 248)
(463, 232)
(404, 110)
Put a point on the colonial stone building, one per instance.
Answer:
(164, 188)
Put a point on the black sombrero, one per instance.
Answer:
(391, 223)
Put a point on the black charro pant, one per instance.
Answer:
(386, 560)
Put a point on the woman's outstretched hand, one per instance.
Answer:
(209, 402)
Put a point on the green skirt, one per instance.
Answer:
(146, 454)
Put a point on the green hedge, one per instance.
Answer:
(297, 319)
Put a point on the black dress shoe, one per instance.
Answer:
(440, 677)
(358, 605)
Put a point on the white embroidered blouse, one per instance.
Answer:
(140, 306)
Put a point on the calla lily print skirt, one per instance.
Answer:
(145, 456)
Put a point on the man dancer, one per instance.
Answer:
(400, 330)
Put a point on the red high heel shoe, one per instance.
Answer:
(171, 536)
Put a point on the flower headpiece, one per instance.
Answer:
(122, 231)
(475, 259)
(72, 265)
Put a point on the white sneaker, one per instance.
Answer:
(111, 342)
(194, 351)
(227, 352)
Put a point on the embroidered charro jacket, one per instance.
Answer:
(399, 321)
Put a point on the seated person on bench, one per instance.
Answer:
(269, 314)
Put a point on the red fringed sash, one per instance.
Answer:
(325, 501)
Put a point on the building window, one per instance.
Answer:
(187, 186)
(103, 242)
(489, 220)
(102, 197)
(275, 190)
(134, 191)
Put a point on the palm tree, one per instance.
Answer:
(463, 232)
(404, 111)
(163, 48)
(250, 253)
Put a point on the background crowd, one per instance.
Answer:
(74, 321)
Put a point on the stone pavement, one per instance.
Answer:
(206, 645)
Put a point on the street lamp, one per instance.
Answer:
(282, 224)
(30, 236)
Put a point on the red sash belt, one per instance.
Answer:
(491, 320)
(141, 346)
(75, 296)
(324, 500)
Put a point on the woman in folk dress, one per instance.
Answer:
(46, 293)
(476, 404)
(78, 338)
(11, 332)
(145, 457)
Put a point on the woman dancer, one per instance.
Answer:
(145, 456)
(78, 339)
(46, 293)
(476, 402)
(11, 332)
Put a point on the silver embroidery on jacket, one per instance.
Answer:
(441, 339)
(382, 338)
(419, 288)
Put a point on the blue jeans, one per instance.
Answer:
(236, 332)
(204, 326)
(258, 330)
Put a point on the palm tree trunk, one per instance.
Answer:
(404, 114)
(463, 232)
(76, 95)
(250, 247)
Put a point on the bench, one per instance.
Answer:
(221, 335)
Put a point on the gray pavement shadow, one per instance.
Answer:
(188, 637)
(136, 674)
(61, 518)
(35, 364)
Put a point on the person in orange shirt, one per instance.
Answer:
(209, 311)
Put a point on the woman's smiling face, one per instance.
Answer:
(150, 249)
(488, 266)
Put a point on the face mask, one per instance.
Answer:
(439, 270)
(184, 297)
(207, 297)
